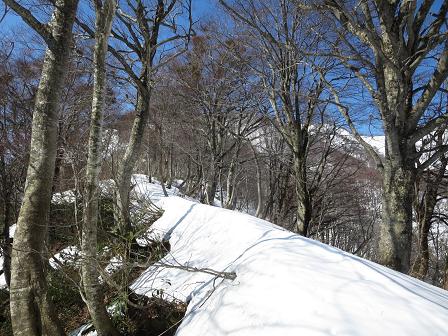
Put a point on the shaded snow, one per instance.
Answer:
(12, 231)
(285, 285)
(67, 256)
(2, 276)
(150, 190)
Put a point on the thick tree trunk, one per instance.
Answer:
(31, 309)
(396, 227)
(92, 288)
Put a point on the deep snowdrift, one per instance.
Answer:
(285, 285)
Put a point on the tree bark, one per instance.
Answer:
(144, 88)
(7, 239)
(304, 204)
(424, 215)
(396, 228)
(32, 312)
(127, 164)
(445, 276)
(396, 56)
(90, 276)
(7, 219)
(259, 209)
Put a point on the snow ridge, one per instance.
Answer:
(285, 285)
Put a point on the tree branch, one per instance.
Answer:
(42, 29)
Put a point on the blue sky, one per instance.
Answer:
(12, 25)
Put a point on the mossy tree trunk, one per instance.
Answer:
(396, 36)
(89, 246)
(32, 311)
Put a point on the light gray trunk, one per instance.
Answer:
(127, 165)
(31, 309)
(230, 202)
(94, 295)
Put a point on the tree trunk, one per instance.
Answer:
(230, 202)
(6, 209)
(31, 310)
(424, 215)
(211, 186)
(6, 238)
(304, 210)
(89, 246)
(259, 209)
(396, 227)
(126, 166)
(445, 276)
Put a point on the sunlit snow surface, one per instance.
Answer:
(285, 285)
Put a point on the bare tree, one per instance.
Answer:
(138, 52)
(280, 33)
(216, 90)
(89, 245)
(386, 45)
(31, 310)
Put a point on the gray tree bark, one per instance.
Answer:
(94, 295)
(144, 41)
(398, 42)
(126, 165)
(424, 211)
(31, 308)
(144, 83)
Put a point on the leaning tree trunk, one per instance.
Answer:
(90, 276)
(31, 308)
(396, 227)
(126, 166)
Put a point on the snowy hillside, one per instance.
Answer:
(285, 284)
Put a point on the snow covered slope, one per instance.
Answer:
(285, 285)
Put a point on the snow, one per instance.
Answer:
(378, 142)
(67, 256)
(2, 276)
(114, 264)
(285, 284)
(12, 231)
(67, 196)
(143, 189)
